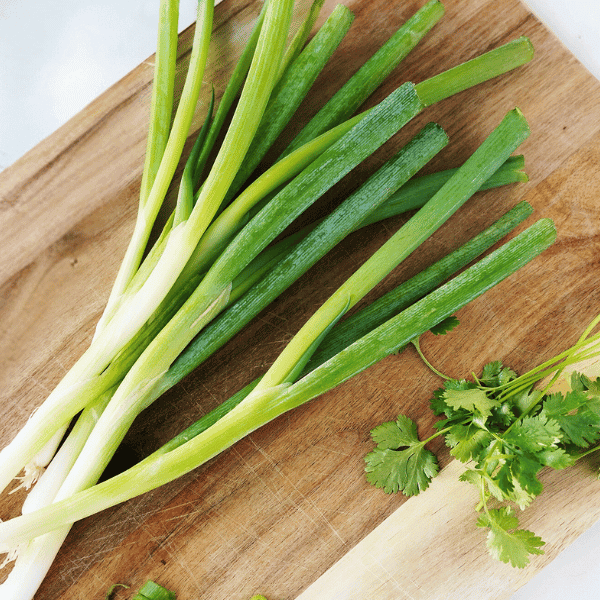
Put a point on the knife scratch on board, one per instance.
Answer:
(304, 498)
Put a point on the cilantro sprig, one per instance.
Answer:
(506, 431)
(400, 461)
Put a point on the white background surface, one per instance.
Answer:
(77, 48)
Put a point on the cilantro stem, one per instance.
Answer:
(582, 350)
(483, 498)
(435, 435)
(417, 347)
(586, 453)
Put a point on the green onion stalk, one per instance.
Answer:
(394, 334)
(212, 268)
(67, 398)
(41, 552)
(259, 401)
(87, 378)
(134, 392)
(215, 239)
(347, 331)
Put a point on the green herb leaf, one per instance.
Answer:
(592, 385)
(505, 541)
(525, 470)
(409, 469)
(556, 458)
(534, 434)
(395, 434)
(473, 400)
(438, 403)
(445, 326)
(495, 374)
(467, 441)
(578, 424)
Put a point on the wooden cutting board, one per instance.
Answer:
(283, 505)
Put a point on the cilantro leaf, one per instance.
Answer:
(472, 476)
(395, 434)
(509, 430)
(505, 481)
(519, 496)
(445, 326)
(582, 383)
(495, 374)
(438, 403)
(534, 434)
(593, 386)
(578, 424)
(467, 441)
(525, 470)
(491, 371)
(524, 400)
(400, 462)
(556, 458)
(408, 471)
(504, 415)
(505, 541)
(473, 400)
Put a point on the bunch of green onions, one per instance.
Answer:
(215, 265)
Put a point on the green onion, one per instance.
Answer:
(150, 205)
(162, 95)
(379, 343)
(476, 170)
(291, 90)
(465, 182)
(418, 190)
(368, 78)
(406, 294)
(69, 397)
(215, 263)
(85, 380)
(190, 176)
(475, 71)
(152, 591)
(368, 318)
(424, 314)
(300, 37)
(211, 295)
(231, 91)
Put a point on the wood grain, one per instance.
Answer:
(283, 505)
